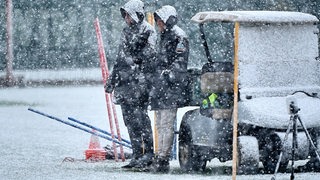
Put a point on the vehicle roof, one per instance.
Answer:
(254, 17)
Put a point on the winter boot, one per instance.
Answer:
(131, 164)
(144, 161)
(136, 153)
(160, 165)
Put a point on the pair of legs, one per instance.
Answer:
(165, 120)
(139, 128)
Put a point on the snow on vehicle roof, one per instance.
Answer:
(254, 16)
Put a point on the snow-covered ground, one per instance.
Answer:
(93, 74)
(34, 146)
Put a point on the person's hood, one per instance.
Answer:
(135, 8)
(167, 14)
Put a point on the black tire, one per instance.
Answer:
(271, 152)
(248, 155)
(189, 158)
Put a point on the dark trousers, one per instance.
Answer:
(139, 128)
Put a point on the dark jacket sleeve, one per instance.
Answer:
(141, 51)
(114, 77)
(179, 65)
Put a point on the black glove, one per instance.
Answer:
(167, 75)
(136, 44)
(164, 76)
(139, 42)
(108, 87)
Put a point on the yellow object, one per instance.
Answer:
(156, 139)
(235, 101)
(205, 103)
(150, 18)
(212, 98)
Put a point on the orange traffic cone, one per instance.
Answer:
(95, 152)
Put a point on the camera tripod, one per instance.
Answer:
(294, 117)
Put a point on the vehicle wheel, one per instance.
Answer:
(248, 155)
(271, 152)
(189, 159)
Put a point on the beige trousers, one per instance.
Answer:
(165, 120)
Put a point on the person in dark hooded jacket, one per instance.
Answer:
(129, 78)
(169, 90)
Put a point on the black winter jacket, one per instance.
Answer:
(170, 84)
(132, 68)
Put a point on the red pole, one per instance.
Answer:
(105, 74)
(118, 131)
(9, 55)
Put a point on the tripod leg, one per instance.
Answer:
(294, 145)
(309, 138)
(281, 153)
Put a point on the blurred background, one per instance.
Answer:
(60, 35)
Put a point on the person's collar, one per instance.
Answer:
(135, 26)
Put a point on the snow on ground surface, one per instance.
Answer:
(34, 146)
(67, 74)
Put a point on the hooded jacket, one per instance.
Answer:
(135, 56)
(170, 88)
(135, 8)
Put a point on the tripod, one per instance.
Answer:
(294, 116)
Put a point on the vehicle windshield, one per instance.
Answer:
(219, 37)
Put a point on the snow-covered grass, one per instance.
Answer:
(34, 146)
(66, 74)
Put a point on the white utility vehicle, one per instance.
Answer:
(271, 63)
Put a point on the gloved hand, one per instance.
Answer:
(108, 87)
(167, 75)
(140, 41)
(165, 72)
